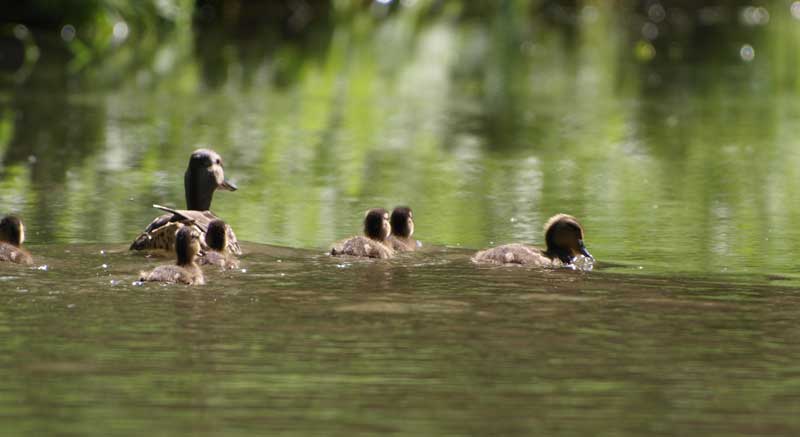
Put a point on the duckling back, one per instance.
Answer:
(363, 247)
(219, 259)
(14, 254)
(515, 254)
(401, 244)
(174, 274)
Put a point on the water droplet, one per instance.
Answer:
(747, 53)
(644, 51)
(20, 31)
(244, 270)
(513, 220)
(102, 252)
(656, 12)
(120, 31)
(282, 274)
(280, 261)
(70, 306)
(650, 31)
(105, 266)
(68, 33)
(42, 267)
(137, 283)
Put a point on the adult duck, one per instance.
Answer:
(204, 175)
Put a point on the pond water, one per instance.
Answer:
(683, 176)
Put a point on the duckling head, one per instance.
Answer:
(564, 237)
(203, 176)
(402, 222)
(217, 235)
(187, 245)
(12, 231)
(376, 224)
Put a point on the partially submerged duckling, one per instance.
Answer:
(217, 253)
(563, 236)
(12, 235)
(373, 244)
(186, 270)
(402, 222)
(203, 176)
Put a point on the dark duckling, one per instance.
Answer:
(563, 236)
(217, 242)
(12, 235)
(185, 271)
(373, 244)
(203, 176)
(402, 222)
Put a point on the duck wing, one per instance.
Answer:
(160, 234)
(201, 219)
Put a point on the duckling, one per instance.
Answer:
(373, 244)
(563, 236)
(203, 176)
(217, 242)
(402, 222)
(12, 235)
(186, 270)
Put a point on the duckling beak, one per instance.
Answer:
(228, 185)
(584, 251)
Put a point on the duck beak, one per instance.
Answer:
(228, 185)
(584, 251)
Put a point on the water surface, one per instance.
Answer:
(683, 176)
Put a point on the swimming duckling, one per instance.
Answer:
(186, 270)
(373, 244)
(217, 241)
(402, 222)
(12, 235)
(203, 176)
(563, 236)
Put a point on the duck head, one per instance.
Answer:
(217, 235)
(376, 224)
(12, 231)
(564, 237)
(203, 176)
(402, 222)
(187, 245)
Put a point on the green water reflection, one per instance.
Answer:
(680, 158)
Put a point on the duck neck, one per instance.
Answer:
(198, 194)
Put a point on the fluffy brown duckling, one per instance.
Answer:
(204, 175)
(217, 253)
(373, 244)
(402, 222)
(563, 236)
(186, 270)
(12, 235)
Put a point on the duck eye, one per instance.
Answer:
(218, 161)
